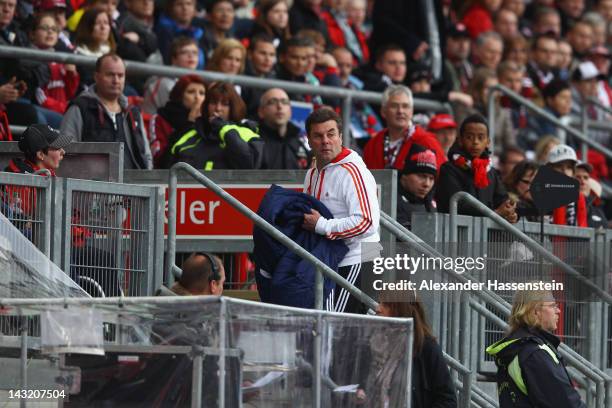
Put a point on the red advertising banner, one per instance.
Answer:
(201, 214)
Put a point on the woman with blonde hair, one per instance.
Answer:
(530, 370)
(229, 57)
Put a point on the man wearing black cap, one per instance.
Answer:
(416, 184)
(43, 148)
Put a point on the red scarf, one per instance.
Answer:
(479, 167)
(560, 214)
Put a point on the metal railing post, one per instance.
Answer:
(316, 389)
(319, 289)
(24, 358)
(171, 242)
(584, 124)
(491, 115)
(347, 103)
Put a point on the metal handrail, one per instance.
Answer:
(602, 380)
(261, 223)
(540, 112)
(607, 190)
(140, 68)
(594, 101)
(530, 242)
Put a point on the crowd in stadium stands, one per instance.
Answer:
(552, 52)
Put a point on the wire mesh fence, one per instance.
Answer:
(109, 238)
(26, 201)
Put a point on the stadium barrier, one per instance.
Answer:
(456, 317)
(26, 200)
(83, 160)
(224, 348)
(139, 68)
(107, 236)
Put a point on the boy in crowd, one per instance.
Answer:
(469, 169)
(591, 189)
(416, 184)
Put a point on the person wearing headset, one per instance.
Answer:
(203, 274)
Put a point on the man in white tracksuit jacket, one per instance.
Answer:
(341, 180)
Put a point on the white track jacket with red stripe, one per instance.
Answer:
(348, 190)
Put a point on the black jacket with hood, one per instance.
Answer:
(284, 152)
(453, 179)
(531, 372)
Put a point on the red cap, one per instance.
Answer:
(44, 5)
(441, 121)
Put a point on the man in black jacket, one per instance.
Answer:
(285, 146)
(101, 113)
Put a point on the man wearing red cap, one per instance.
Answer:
(388, 149)
(445, 128)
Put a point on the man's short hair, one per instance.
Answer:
(545, 36)
(488, 35)
(393, 90)
(554, 87)
(198, 271)
(503, 156)
(178, 43)
(508, 66)
(296, 42)
(380, 54)
(263, 95)
(474, 118)
(261, 37)
(544, 11)
(110, 55)
(323, 115)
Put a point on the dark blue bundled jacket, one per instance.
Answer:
(283, 277)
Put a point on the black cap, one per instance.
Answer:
(39, 137)
(420, 160)
(458, 30)
(554, 87)
(417, 72)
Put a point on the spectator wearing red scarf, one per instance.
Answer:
(470, 170)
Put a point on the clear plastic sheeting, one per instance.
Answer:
(27, 272)
(73, 330)
(219, 352)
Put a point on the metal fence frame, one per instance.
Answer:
(153, 216)
(467, 352)
(139, 68)
(89, 154)
(39, 183)
(28, 305)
